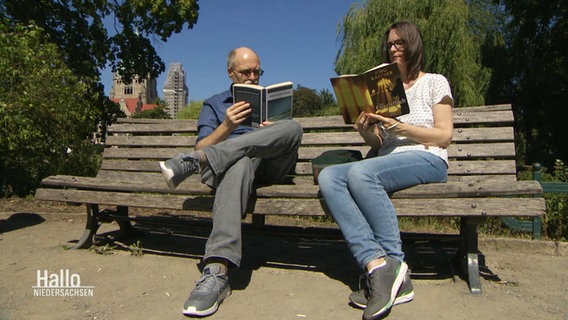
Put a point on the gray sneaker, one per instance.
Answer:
(210, 290)
(383, 284)
(178, 168)
(405, 293)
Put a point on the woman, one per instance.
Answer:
(405, 151)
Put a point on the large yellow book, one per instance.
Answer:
(378, 90)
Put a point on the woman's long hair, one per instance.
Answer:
(413, 50)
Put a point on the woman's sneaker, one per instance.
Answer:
(383, 284)
(405, 293)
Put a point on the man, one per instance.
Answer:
(230, 157)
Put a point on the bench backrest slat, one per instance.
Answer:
(482, 144)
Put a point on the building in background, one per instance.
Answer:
(175, 90)
(135, 96)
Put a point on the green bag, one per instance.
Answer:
(332, 157)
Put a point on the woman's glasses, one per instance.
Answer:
(399, 44)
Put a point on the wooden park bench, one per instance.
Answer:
(482, 177)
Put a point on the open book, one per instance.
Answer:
(269, 103)
(378, 90)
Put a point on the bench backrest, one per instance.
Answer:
(482, 148)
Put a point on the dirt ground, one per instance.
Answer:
(287, 273)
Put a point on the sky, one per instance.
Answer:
(295, 39)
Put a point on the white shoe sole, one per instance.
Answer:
(168, 175)
(194, 312)
(191, 311)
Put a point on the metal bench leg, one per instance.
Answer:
(91, 228)
(125, 226)
(470, 252)
(258, 220)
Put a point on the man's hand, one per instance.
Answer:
(237, 113)
(234, 116)
(266, 123)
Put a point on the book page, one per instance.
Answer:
(279, 101)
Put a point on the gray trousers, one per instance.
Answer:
(265, 155)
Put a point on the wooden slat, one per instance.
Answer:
(457, 167)
(298, 188)
(458, 151)
(151, 141)
(479, 150)
(496, 114)
(164, 127)
(480, 207)
(469, 135)
(465, 178)
(481, 167)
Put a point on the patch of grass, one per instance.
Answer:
(136, 249)
(105, 250)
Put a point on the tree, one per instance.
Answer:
(532, 64)
(191, 111)
(306, 102)
(45, 126)
(158, 112)
(82, 46)
(453, 32)
(155, 113)
(327, 98)
(78, 29)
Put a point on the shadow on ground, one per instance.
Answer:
(315, 249)
(19, 221)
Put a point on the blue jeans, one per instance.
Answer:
(357, 196)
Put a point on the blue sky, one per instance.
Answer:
(295, 39)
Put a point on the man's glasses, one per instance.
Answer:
(399, 44)
(247, 72)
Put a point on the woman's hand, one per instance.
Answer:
(384, 121)
(440, 135)
(369, 128)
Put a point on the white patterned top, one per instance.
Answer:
(426, 92)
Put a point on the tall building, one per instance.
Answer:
(135, 96)
(175, 90)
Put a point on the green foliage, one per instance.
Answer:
(77, 27)
(52, 97)
(327, 98)
(555, 224)
(556, 220)
(191, 111)
(453, 33)
(45, 125)
(329, 105)
(156, 113)
(532, 64)
(306, 102)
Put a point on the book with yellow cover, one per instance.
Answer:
(378, 90)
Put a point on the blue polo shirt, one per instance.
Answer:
(213, 114)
